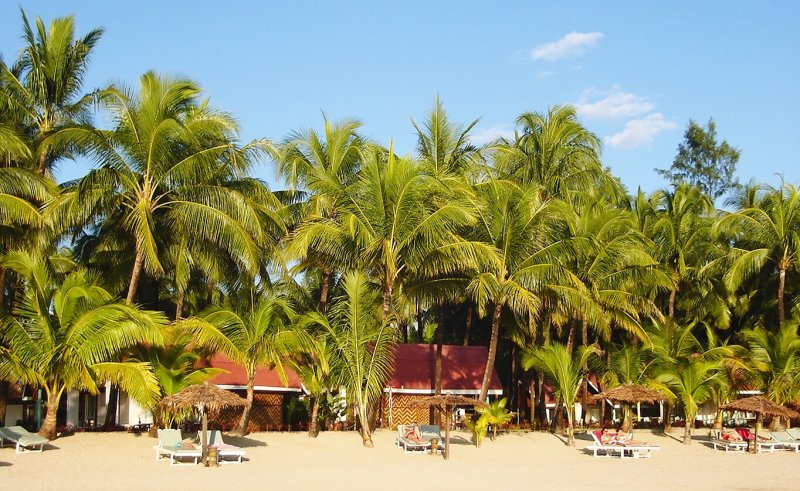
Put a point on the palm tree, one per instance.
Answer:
(43, 87)
(522, 235)
(564, 369)
(556, 152)
(363, 342)
(775, 361)
(263, 333)
(170, 160)
(495, 415)
(682, 233)
(71, 332)
(765, 236)
(316, 369)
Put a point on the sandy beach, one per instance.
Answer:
(336, 460)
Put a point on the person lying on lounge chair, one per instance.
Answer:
(413, 434)
(731, 436)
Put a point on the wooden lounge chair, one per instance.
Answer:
(786, 440)
(717, 440)
(23, 440)
(223, 449)
(625, 451)
(169, 444)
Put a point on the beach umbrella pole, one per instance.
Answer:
(204, 436)
(446, 433)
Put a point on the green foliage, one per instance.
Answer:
(702, 161)
(495, 415)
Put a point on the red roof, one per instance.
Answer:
(266, 380)
(462, 369)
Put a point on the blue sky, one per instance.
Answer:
(637, 71)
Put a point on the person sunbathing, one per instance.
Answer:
(731, 436)
(622, 439)
(413, 434)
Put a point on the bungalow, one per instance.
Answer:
(414, 378)
(269, 399)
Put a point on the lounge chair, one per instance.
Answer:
(223, 449)
(764, 443)
(786, 440)
(169, 444)
(24, 440)
(794, 433)
(625, 450)
(427, 432)
(717, 440)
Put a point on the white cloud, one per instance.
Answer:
(574, 43)
(482, 136)
(615, 104)
(640, 132)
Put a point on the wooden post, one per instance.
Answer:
(446, 433)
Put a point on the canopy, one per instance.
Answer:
(444, 403)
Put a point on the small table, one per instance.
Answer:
(434, 445)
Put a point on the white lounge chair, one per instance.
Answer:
(24, 440)
(169, 444)
(717, 440)
(427, 432)
(626, 451)
(786, 440)
(223, 449)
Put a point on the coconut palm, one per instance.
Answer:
(170, 160)
(363, 342)
(775, 361)
(765, 238)
(72, 332)
(564, 369)
(495, 415)
(262, 333)
(682, 234)
(524, 236)
(43, 87)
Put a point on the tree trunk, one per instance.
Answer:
(135, 275)
(439, 342)
(571, 336)
(541, 401)
(672, 294)
(313, 427)
(585, 382)
(781, 288)
(2, 286)
(244, 421)
(111, 410)
(387, 301)
(570, 427)
(179, 305)
(687, 430)
(42, 167)
(487, 374)
(717, 420)
(419, 325)
(48, 429)
(4, 386)
(324, 286)
(667, 417)
(468, 327)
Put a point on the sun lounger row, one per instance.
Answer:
(170, 445)
(625, 446)
(24, 440)
(739, 439)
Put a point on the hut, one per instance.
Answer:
(414, 378)
(270, 399)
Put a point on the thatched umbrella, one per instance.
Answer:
(205, 397)
(630, 393)
(445, 404)
(761, 406)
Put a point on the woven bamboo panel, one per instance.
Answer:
(266, 415)
(403, 413)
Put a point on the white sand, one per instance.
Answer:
(336, 460)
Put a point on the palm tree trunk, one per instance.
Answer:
(4, 386)
(48, 429)
(111, 410)
(672, 294)
(585, 382)
(468, 327)
(313, 427)
(2, 286)
(781, 288)
(179, 305)
(244, 421)
(570, 426)
(387, 300)
(439, 342)
(687, 430)
(571, 336)
(325, 285)
(42, 167)
(487, 374)
(717, 420)
(135, 275)
(667, 417)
